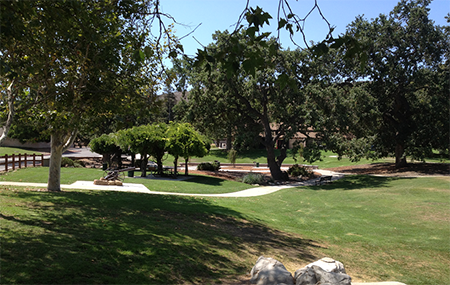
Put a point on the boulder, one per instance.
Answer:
(269, 271)
(329, 265)
(325, 271)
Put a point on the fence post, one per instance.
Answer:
(20, 160)
(42, 160)
(6, 162)
(13, 162)
(34, 160)
(25, 160)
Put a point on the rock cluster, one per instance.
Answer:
(103, 181)
(326, 271)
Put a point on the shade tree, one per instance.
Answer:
(407, 79)
(75, 60)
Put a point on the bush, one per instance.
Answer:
(209, 166)
(296, 170)
(67, 162)
(254, 178)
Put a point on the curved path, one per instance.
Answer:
(139, 188)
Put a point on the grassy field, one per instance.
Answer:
(329, 159)
(12, 150)
(195, 184)
(380, 228)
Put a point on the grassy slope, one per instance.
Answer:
(380, 228)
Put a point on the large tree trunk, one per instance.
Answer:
(59, 143)
(272, 161)
(7, 126)
(400, 159)
(275, 169)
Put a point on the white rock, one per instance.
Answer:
(269, 271)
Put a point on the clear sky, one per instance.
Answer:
(220, 15)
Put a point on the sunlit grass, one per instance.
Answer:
(380, 228)
(196, 184)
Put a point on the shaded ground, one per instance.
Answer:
(388, 169)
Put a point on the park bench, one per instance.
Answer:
(324, 180)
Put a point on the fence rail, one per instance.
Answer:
(21, 160)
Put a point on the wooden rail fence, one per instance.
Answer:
(19, 159)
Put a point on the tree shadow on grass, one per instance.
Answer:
(129, 238)
(355, 182)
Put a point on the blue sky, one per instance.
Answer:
(222, 14)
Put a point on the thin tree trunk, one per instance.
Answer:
(7, 126)
(175, 166)
(186, 168)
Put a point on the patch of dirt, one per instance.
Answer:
(388, 169)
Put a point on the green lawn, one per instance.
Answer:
(380, 228)
(329, 159)
(195, 184)
(13, 150)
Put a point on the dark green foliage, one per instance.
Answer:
(104, 144)
(215, 166)
(68, 162)
(407, 79)
(297, 170)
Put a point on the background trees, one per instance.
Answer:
(407, 78)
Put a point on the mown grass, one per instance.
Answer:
(13, 150)
(380, 228)
(194, 184)
(329, 159)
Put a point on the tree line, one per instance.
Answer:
(71, 68)
(391, 100)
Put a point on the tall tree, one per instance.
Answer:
(263, 92)
(76, 59)
(407, 73)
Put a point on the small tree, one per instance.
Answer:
(145, 140)
(106, 146)
(184, 141)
